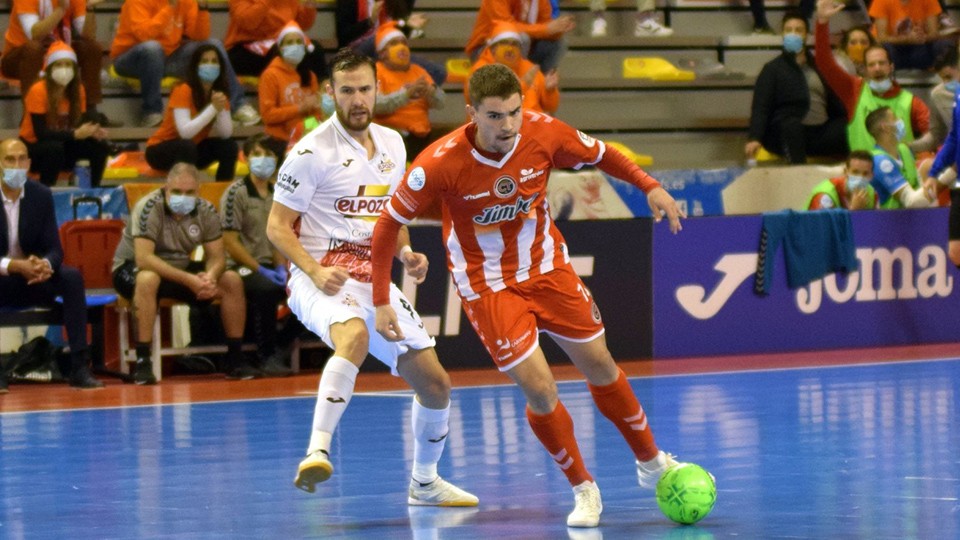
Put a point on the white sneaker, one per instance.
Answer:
(314, 468)
(587, 506)
(439, 493)
(151, 120)
(599, 28)
(246, 115)
(649, 472)
(651, 28)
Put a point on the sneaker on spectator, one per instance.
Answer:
(599, 28)
(143, 372)
(439, 493)
(151, 120)
(246, 115)
(651, 28)
(587, 507)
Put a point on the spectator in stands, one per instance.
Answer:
(852, 190)
(894, 168)
(794, 112)
(289, 90)
(876, 88)
(251, 40)
(157, 38)
(646, 24)
(759, 13)
(357, 22)
(854, 42)
(910, 31)
(34, 26)
(943, 99)
(153, 261)
(244, 208)
(406, 91)
(540, 93)
(56, 127)
(196, 126)
(31, 273)
(542, 37)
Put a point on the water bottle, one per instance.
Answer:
(81, 174)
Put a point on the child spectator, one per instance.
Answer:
(55, 125)
(289, 90)
(196, 126)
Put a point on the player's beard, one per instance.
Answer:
(350, 123)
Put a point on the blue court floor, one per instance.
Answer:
(863, 452)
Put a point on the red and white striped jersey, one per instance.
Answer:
(496, 224)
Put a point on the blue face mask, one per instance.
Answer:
(881, 87)
(208, 72)
(327, 104)
(901, 129)
(293, 53)
(952, 86)
(182, 204)
(855, 182)
(792, 43)
(15, 178)
(263, 166)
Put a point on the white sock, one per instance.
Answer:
(430, 428)
(336, 388)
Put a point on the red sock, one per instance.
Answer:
(619, 404)
(555, 431)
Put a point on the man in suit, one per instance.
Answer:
(31, 273)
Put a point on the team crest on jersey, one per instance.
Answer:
(350, 301)
(366, 204)
(194, 231)
(417, 179)
(587, 140)
(504, 187)
(595, 311)
(386, 164)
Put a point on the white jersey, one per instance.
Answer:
(339, 192)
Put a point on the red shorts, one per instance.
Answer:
(508, 321)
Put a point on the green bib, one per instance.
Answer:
(857, 136)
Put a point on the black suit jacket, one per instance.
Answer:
(39, 234)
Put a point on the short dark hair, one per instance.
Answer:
(874, 119)
(845, 35)
(948, 58)
(878, 47)
(493, 80)
(791, 14)
(862, 155)
(348, 59)
(267, 142)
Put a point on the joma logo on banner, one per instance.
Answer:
(924, 276)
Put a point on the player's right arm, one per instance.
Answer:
(280, 227)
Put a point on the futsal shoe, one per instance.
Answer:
(314, 468)
(649, 472)
(439, 493)
(587, 506)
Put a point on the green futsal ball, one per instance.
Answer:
(686, 493)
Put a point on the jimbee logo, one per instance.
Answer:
(504, 187)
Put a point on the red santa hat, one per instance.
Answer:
(387, 33)
(58, 51)
(503, 30)
(290, 28)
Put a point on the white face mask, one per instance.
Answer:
(62, 75)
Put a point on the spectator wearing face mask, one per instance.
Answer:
(851, 190)
(853, 44)
(875, 89)
(407, 92)
(943, 99)
(541, 93)
(895, 175)
(794, 112)
(289, 90)
(196, 126)
(56, 127)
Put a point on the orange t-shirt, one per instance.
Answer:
(535, 96)
(280, 98)
(255, 20)
(146, 20)
(36, 103)
(16, 36)
(901, 17)
(527, 16)
(414, 117)
(180, 98)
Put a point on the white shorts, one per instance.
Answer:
(318, 311)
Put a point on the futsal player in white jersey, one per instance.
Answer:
(329, 192)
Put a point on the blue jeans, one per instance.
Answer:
(146, 61)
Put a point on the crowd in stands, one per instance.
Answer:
(845, 105)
